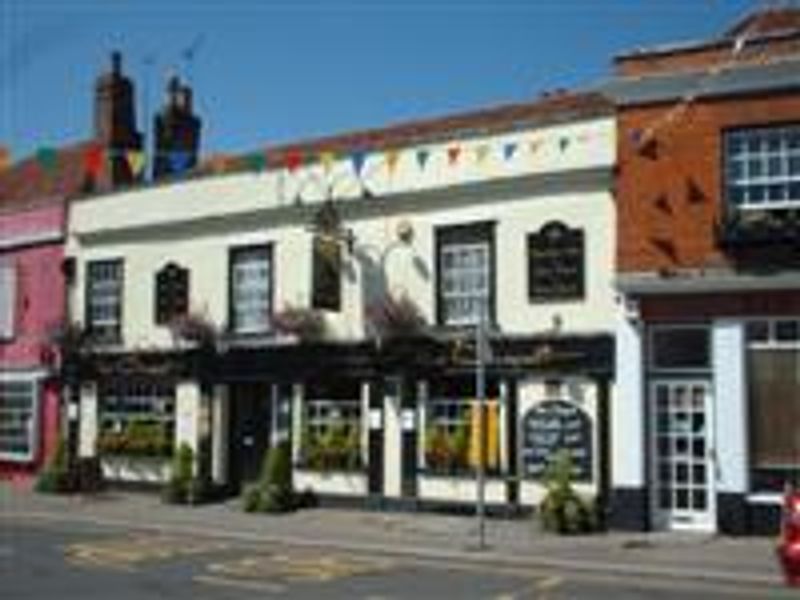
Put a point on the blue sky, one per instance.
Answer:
(271, 71)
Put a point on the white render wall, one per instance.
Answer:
(194, 223)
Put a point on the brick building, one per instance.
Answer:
(708, 349)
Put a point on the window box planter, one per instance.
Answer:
(135, 469)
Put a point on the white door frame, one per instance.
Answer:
(674, 518)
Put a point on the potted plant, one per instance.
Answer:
(395, 317)
(306, 324)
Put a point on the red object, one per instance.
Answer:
(789, 545)
(93, 160)
(293, 159)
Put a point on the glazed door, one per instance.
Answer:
(682, 450)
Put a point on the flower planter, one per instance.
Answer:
(135, 469)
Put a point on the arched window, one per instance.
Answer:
(172, 293)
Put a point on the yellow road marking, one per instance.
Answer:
(258, 586)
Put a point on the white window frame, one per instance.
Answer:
(254, 297)
(322, 414)
(105, 294)
(157, 401)
(461, 282)
(750, 154)
(33, 418)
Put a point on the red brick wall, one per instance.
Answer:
(669, 193)
(694, 59)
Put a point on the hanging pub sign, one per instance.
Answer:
(555, 263)
(172, 293)
(326, 256)
(550, 427)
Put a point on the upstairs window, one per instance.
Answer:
(762, 167)
(251, 289)
(555, 263)
(104, 279)
(8, 301)
(172, 293)
(465, 274)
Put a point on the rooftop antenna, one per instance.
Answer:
(148, 63)
(189, 53)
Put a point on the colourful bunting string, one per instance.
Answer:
(392, 157)
(481, 152)
(422, 158)
(256, 161)
(509, 149)
(293, 159)
(453, 152)
(136, 162)
(327, 159)
(359, 157)
(47, 159)
(93, 159)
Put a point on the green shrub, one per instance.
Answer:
(273, 492)
(563, 510)
(177, 490)
(56, 478)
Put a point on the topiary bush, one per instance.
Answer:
(178, 486)
(273, 492)
(55, 477)
(563, 510)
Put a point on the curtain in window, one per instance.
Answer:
(774, 378)
(492, 435)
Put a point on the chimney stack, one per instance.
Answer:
(115, 119)
(177, 131)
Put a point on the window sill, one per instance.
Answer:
(765, 498)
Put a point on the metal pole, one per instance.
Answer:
(480, 387)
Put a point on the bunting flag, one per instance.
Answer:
(509, 150)
(422, 158)
(481, 152)
(359, 157)
(178, 160)
(5, 158)
(453, 152)
(93, 159)
(392, 157)
(136, 162)
(534, 145)
(256, 161)
(563, 143)
(47, 159)
(327, 159)
(292, 160)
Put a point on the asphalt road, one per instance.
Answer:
(44, 560)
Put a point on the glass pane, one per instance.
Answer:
(699, 497)
(681, 348)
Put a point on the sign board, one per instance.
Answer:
(555, 425)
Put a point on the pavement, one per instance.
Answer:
(517, 544)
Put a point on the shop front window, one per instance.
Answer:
(331, 438)
(18, 419)
(452, 440)
(136, 419)
(773, 374)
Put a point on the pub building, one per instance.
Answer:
(707, 413)
(332, 296)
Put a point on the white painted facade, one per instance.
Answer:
(557, 172)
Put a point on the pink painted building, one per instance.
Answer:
(34, 202)
(32, 228)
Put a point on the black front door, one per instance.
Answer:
(250, 431)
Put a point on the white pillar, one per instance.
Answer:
(298, 393)
(392, 440)
(220, 415)
(187, 418)
(627, 410)
(87, 428)
(730, 405)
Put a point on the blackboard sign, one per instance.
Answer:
(551, 426)
(555, 260)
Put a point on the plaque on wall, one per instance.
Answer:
(555, 425)
(556, 263)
